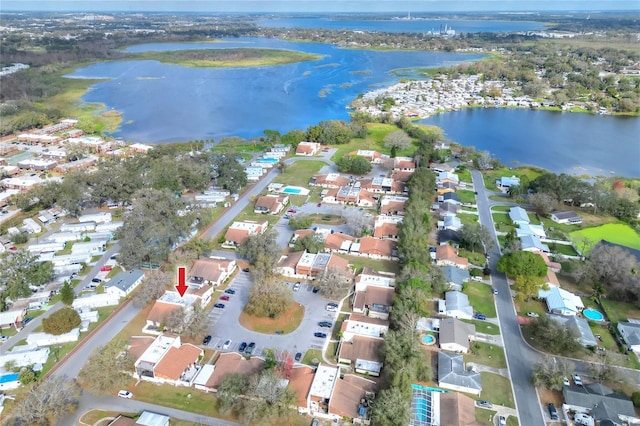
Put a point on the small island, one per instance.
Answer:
(226, 58)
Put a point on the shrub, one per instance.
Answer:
(61, 321)
(635, 398)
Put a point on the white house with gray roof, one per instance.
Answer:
(630, 332)
(455, 335)
(518, 215)
(456, 305)
(452, 375)
(600, 402)
(455, 277)
(124, 283)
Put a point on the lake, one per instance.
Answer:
(562, 142)
(404, 25)
(166, 103)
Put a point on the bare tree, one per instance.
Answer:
(109, 368)
(483, 160)
(543, 202)
(334, 283)
(550, 372)
(153, 286)
(190, 321)
(397, 139)
(360, 224)
(46, 402)
(615, 268)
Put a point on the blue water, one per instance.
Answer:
(421, 406)
(165, 103)
(403, 25)
(291, 191)
(427, 338)
(562, 142)
(10, 377)
(593, 315)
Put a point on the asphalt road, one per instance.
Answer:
(520, 356)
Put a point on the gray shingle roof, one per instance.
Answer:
(124, 280)
(455, 275)
(451, 370)
(452, 330)
(630, 332)
(590, 396)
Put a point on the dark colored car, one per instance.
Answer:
(219, 305)
(230, 291)
(332, 304)
(206, 340)
(96, 280)
(485, 404)
(245, 269)
(26, 320)
(553, 413)
(480, 317)
(250, 347)
(298, 356)
(315, 289)
(325, 324)
(321, 335)
(242, 347)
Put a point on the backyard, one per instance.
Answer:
(481, 298)
(300, 172)
(496, 389)
(486, 354)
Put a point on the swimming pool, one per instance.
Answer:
(427, 339)
(592, 314)
(288, 190)
(9, 377)
(294, 190)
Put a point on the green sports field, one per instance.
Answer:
(617, 233)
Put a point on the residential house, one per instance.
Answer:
(169, 302)
(239, 232)
(25, 355)
(507, 182)
(448, 209)
(455, 277)
(566, 217)
(455, 335)
(300, 380)
(329, 195)
(373, 156)
(374, 302)
(518, 215)
(369, 277)
(533, 244)
(146, 418)
(401, 175)
(287, 264)
(442, 167)
(449, 197)
(322, 388)
(310, 265)
(308, 148)
(362, 325)
(96, 300)
(453, 375)
(382, 185)
(447, 255)
(579, 327)
(211, 270)
(350, 398)
(363, 354)
(447, 177)
(524, 229)
(404, 164)
(271, 204)
(451, 223)
(444, 187)
(630, 332)
(124, 282)
(338, 242)
(600, 402)
(377, 248)
(168, 360)
(561, 302)
(553, 266)
(393, 204)
(456, 305)
(254, 173)
(331, 180)
(227, 363)
(348, 194)
(12, 318)
(387, 227)
(457, 409)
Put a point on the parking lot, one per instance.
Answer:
(225, 326)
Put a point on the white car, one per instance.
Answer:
(125, 394)
(502, 420)
(227, 344)
(577, 379)
(532, 315)
(565, 381)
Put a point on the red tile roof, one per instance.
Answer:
(176, 360)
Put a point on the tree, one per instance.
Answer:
(230, 391)
(268, 299)
(475, 237)
(228, 172)
(190, 321)
(390, 408)
(483, 160)
(397, 139)
(294, 137)
(334, 132)
(527, 287)
(616, 269)
(550, 373)
(409, 304)
(300, 221)
(543, 202)
(312, 243)
(360, 224)
(152, 287)
(552, 336)
(61, 321)
(27, 376)
(46, 402)
(334, 283)
(21, 269)
(109, 368)
(602, 370)
(260, 245)
(523, 263)
(355, 164)
(635, 398)
(66, 293)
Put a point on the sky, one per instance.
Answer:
(317, 5)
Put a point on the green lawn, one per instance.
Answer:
(490, 176)
(481, 298)
(618, 233)
(477, 259)
(484, 326)
(496, 389)
(532, 305)
(312, 355)
(502, 222)
(337, 325)
(486, 354)
(500, 208)
(485, 416)
(563, 249)
(300, 172)
(466, 197)
(332, 348)
(620, 311)
(512, 421)
(608, 341)
(466, 218)
(378, 265)
(374, 140)
(464, 176)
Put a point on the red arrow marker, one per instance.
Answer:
(182, 281)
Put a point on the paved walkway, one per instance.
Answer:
(485, 368)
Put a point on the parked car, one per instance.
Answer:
(495, 291)
(553, 413)
(105, 268)
(315, 422)
(326, 324)
(320, 335)
(219, 305)
(298, 356)
(250, 347)
(319, 204)
(502, 420)
(245, 269)
(125, 394)
(484, 404)
(26, 320)
(96, 280)
(332, 307)
(4, 338)
(583, 419)
(206, 340)
(480, 317)
(565, 381)
(230, 291)
(227, 344)
(297, 286)
(242, 347)
(532, 314)
(291, 211)
(224, 297)
(577, 379)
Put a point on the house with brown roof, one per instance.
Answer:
(363, 354)
(270, 204)
(401, 175)
(393, 205)
(382, 185)
(405, 164)
(300, 381)
(169, 302)
(168, 360)
(308, 148)
(349, 194)
(387, 227)
(373, 156)
(329, 195)
(239, 232)
(374, 302)
(331, 180)
(338, 242)
(287, 264)
(227, 363)
(350, 398)
(441, 167)
(448, 256)
(211, 271)
(377, 248)
(369, 277)
(457, 409)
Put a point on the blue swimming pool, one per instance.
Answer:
(10, 377)
(428, 339)
(592, 314)
(289, 190)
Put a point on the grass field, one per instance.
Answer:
(620, 311)
(618, 233)
(484, 326)
(300, 172)
(486, 354)
(481, 298)
(490, 176)
(287, 322)
(466, 197)
(496, 389)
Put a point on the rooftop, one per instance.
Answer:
(324, 381)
